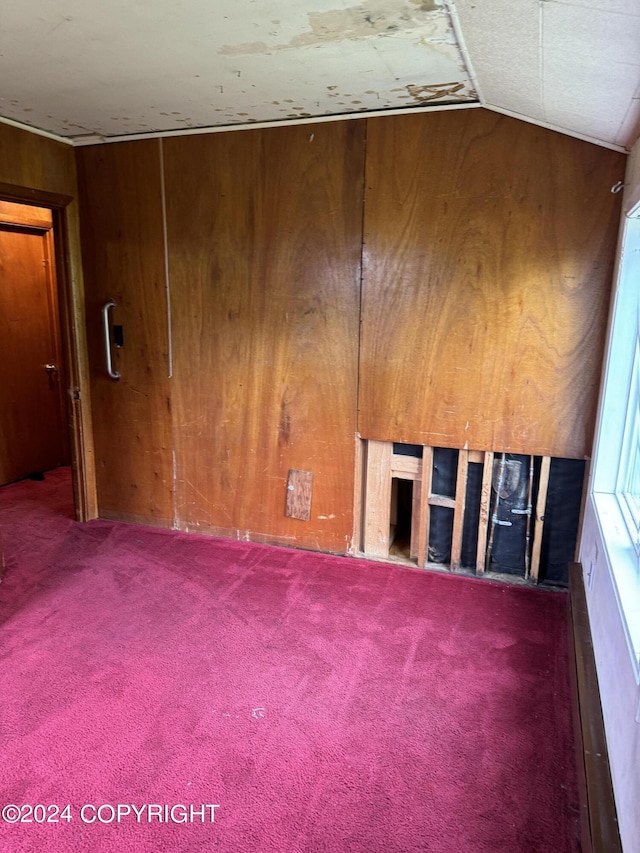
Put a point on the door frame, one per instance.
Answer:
(70, 298)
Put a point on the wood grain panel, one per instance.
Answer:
(377, 513)
(41, 171)
(32, 435)
(489, 247)
(25, 214)
(299, 495)
(123, 253)
(264, 235)
(35, 164)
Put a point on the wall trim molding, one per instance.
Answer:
(598, 815)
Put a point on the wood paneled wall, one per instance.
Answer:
(24, 214)
(30, 164)
(488, 255)
(264, 237)
(488, 250)
(123, 249)
(42, 171)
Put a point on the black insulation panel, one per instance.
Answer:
(562, 514)
(562, 519)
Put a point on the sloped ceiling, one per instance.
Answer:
(571, 64)
(88, 70)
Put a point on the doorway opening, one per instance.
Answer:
(34, 416)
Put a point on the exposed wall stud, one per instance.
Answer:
(541, 503)
(377, 498)
(485, 502)
(458, 513)
(415, 519)
(424, 516)
(383, 467)
(358, 491)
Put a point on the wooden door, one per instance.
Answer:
(32, 433)
(123, 257)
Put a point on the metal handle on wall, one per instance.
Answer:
(106, 309)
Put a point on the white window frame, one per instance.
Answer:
(616, 464)
(628, 483)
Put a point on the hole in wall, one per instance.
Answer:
(400, 518)
(508, 551)
(562, 519)
(471, 515)
(445, 471)
(529, 533)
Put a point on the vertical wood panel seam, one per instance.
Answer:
(167, 286)
(361, 277)
(357, 541)
(167, 290)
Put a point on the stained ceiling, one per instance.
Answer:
(89, 71)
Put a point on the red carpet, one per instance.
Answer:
(323, 703)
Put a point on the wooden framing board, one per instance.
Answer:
(406, 467)
(358, 493)
(540, 510)
(415, 519)
(382, 466)
(485, 503)
(458, 513)
(377, 499)
(442, 500)
(424, 514)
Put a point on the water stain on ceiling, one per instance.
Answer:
(88, 70)
(374, 18)
(115, 69)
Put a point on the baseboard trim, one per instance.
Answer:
(599, 821)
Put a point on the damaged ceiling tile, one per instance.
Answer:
(115, 69)
(86, 70)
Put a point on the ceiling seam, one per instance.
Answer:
(613, 146)
(581, 6)
(543, 104)
(450, 6)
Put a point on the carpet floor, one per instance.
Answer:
(307, 702)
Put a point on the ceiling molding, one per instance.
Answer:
(82, 141)
(450, 6)
(92, 73)
(31, 129)
(567, 132)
